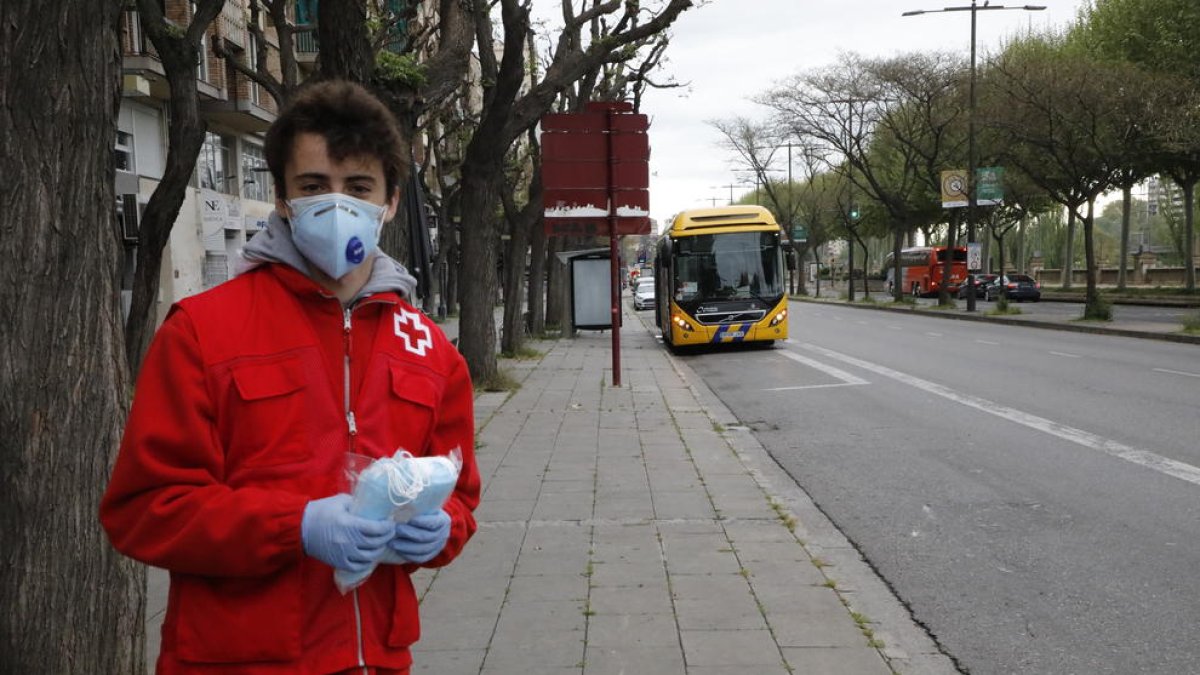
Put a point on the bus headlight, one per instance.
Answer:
(683, 325)
(778, 318)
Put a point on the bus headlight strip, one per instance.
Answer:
(683, 325)
(778, 318)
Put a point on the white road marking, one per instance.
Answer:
(895, 327)
(1144, 458)
(934, 334)
(836, 373)
(1176, 372)
(1069, 356)
(987, 342)
(861, 323)
(816, 386)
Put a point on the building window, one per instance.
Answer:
(202, 61)
(214, 168)
(252, 62)
(124, 151)
(257, 181)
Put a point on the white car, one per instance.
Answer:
(643, 296)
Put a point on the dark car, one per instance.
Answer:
(981, 283)
(1015, 287)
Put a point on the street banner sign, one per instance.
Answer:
(954, 188)
(974, 256)
(596, 171)
(799, 234)
(989, 185)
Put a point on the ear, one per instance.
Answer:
(393, 205)
(281, 207)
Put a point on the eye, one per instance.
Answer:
(312, 188)
(359, 190)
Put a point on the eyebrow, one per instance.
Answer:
(325, 177)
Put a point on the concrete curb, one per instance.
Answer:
(1049, 325)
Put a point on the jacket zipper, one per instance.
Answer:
(352, 430)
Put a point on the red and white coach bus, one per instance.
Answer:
(921, 269)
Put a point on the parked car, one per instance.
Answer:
(981, 283)
(643, 296)
(1015, 287)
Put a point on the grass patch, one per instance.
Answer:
(1006, 310)
(501, 381)
(1098, 309)
(951, 304)
(522, 354)
(1191, 323)
(786, 518)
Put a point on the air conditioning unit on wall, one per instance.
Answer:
(130, 213)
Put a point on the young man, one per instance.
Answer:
(231, 473)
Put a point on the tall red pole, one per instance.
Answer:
(614, 267)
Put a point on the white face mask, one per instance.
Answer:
(335, 232)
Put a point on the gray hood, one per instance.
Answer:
(274, 245)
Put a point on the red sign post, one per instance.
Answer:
(596, 175)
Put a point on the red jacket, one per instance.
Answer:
(239, 420)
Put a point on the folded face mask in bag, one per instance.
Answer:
(398, 488)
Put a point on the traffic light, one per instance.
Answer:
(854, 212)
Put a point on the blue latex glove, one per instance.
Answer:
(340, 539)
(420, 539)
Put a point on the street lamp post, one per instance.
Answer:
(974, 8)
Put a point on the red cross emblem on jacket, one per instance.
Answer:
(412, 330)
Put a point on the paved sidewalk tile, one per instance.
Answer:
(621, 532)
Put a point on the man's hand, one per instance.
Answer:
(341, 539)
(420, 539)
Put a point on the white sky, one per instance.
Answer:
(731, 50)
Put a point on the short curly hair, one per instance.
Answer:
(352, 121)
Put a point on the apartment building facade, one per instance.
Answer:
(230, 194)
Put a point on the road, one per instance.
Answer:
(1033, 496)
(1170, 318)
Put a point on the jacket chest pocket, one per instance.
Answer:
(268, 415)
(414, 398)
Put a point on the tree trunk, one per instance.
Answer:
(1126, 207)
(71, 603)
(1091, 297)
(477, 325)
(185, 137)
(1068, 266)
(513, 337)
(1022, 259)
(1189, 234)
(817, 259)
(555, 280)
(850, 269)
(866, 272)
(345, 46)
(537, 278)
(897, 270)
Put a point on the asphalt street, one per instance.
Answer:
(1030, 494)
(1168, 317)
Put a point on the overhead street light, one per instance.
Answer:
(973, 8)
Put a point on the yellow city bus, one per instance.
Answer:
(720, 278)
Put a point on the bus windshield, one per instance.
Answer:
(733, 266)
